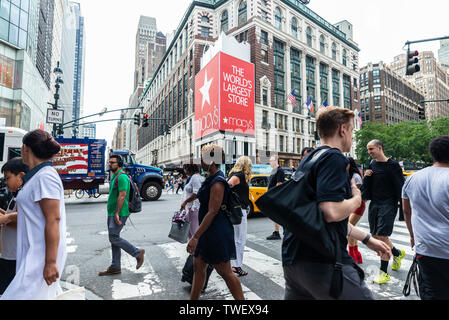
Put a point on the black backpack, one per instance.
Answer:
(134, 200)
(231, 205)
(293, 205)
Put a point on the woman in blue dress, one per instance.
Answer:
(213, 242)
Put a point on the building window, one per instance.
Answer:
(264, 37)
(204, 34)
(264, 15)
(224, 21)
(347, 91)
(278, 18)
(336, 87)
(310, 80)
(265, 118)
(295, 67)
(205, 19)
(279, 73)
(265, 98)
(264, 54)
(309, 36)
(376, 72)
(322, 45)
(295, 28)
(334, 51)
(324, 73)
(242, 16)
(344, 57)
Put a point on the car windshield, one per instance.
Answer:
(259, 182)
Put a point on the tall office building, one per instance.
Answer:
(45, 40)
(146, 33)
(66, 20)
(78, 85)
(23, 92)
(443, 53)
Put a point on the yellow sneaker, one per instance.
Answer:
(397, 261)
(382, 278)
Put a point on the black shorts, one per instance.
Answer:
(433, 278)
(381, 218)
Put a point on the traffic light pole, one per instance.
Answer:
(425, 40)
(439, 100)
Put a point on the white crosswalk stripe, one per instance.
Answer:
(262, 258)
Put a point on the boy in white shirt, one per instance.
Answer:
(13, 171)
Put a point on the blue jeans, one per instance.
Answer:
(117, 243)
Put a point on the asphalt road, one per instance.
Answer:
(159, 277)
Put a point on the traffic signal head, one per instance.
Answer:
(412, 63)
(422, 114)
(145, 121)
(137, 119)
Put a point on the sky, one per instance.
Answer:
(381, 28)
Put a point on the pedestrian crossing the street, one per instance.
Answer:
(160, 275)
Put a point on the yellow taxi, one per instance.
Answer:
(258, 185)
(407, 173)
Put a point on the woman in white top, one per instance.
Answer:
(41, 224)
(189, 201)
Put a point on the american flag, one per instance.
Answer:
(358, 117)
(292, 98)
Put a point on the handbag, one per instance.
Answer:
(293, 205)
(179, 230)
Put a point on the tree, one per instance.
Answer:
(404, 141)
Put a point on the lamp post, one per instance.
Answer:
(234, 156)
(59, 82)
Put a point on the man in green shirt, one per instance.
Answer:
(118, 213)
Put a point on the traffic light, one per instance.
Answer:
(422, 114)
(60, 130)
(167, 129)
(146, 121)
(137, 119)
(412, 62)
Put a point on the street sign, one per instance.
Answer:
(55, 116)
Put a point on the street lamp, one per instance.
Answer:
(59, 82)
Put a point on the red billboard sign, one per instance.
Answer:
(224, 97)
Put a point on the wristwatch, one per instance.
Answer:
(368, 236)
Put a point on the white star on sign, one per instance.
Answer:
(205, 90)
(225, 120)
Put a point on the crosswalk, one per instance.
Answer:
(262, 260)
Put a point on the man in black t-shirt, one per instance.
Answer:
(308, 273)
(277, 177)
(383, 182)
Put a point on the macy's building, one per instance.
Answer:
(291, 48)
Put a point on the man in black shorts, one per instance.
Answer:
(383, 182)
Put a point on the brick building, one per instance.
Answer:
(292, 48)
(433, 80)
(387, 97)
